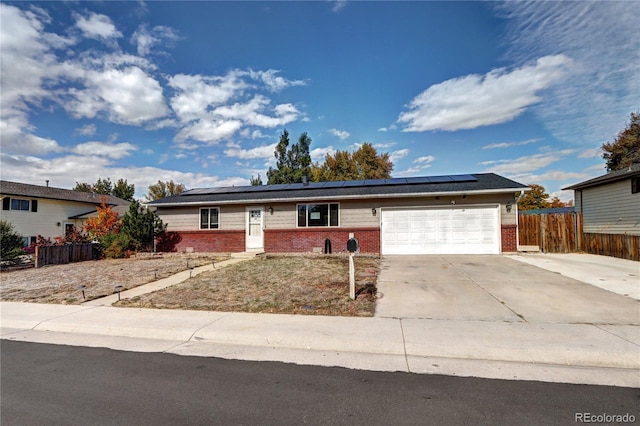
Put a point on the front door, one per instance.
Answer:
(255, 218)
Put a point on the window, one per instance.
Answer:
(19, 204)
(209, 218)
(318, 215)
(635, 185)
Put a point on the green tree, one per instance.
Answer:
(624, 151)
(11, 243)
(103, 186)
(291, 163)
(534, 199)
(364, 163)
(83, 187)
(123, 190)
(256, 181)
(164, 189)
(142, 226)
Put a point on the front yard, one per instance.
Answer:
(60, 283)
(296, 284)
(273, 284)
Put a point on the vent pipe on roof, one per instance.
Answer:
(305, 180)
(47, 182)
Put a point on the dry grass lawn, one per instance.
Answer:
(313, 285)
(60, 283)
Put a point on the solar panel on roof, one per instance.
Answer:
(464, 178)
(418, 179)
(396, 181)
(275, 187)
(440, 179)
(374, 182)
(336, 184)
(354, 183)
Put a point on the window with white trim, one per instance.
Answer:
(19, 204)
(210, 218)
(318, 214)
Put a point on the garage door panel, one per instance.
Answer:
(445, 230)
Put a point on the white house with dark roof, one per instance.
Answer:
(50, 212)
(431, 214)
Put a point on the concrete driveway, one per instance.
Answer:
(493, 288)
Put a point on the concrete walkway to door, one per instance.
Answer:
(493, 288)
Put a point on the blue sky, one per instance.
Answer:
(198, 92)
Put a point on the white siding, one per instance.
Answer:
(611, 209)
(45, 221)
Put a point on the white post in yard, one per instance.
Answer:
(352, 278)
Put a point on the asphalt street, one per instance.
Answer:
(56, 384)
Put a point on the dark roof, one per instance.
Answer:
(38, 191)
(626, 173)
(411, 186)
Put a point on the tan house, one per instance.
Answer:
(428, 214)
(50, 212)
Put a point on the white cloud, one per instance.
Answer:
(265, 151)
(103, 149)
(510, 144)
(526, 164)
(399, 154)
(383, 129)
(210, 131)
(591, 153)
(63, 172)
(338, 5)
(340, 134)
(127, 96)
(97, 26)
(146, 39)
(319, 154)
(424, 160)
(602, 37)
(474, 100)
(87, 130)
(274, 82)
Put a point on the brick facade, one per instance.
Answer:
(509, 234)
(306, 240)
(208, 241)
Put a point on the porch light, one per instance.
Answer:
(373, 211)
(508, 206)
(270, 209)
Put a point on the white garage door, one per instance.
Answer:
(450, 230)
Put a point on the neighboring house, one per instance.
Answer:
(437, 214)
(610, 204)
(51, 212)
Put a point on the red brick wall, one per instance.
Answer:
(509, 238)
(208, 241)
(305, 240)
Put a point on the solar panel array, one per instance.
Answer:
(340, 184)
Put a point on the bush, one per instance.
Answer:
(11, 243)
(117, 246)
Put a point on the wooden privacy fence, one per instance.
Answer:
(617, 245)
(552, 232)
(563, 233)
(68, 253)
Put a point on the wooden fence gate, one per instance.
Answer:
(551, 232)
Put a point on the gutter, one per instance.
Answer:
(346, 197)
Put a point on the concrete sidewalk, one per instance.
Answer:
(569, 353)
